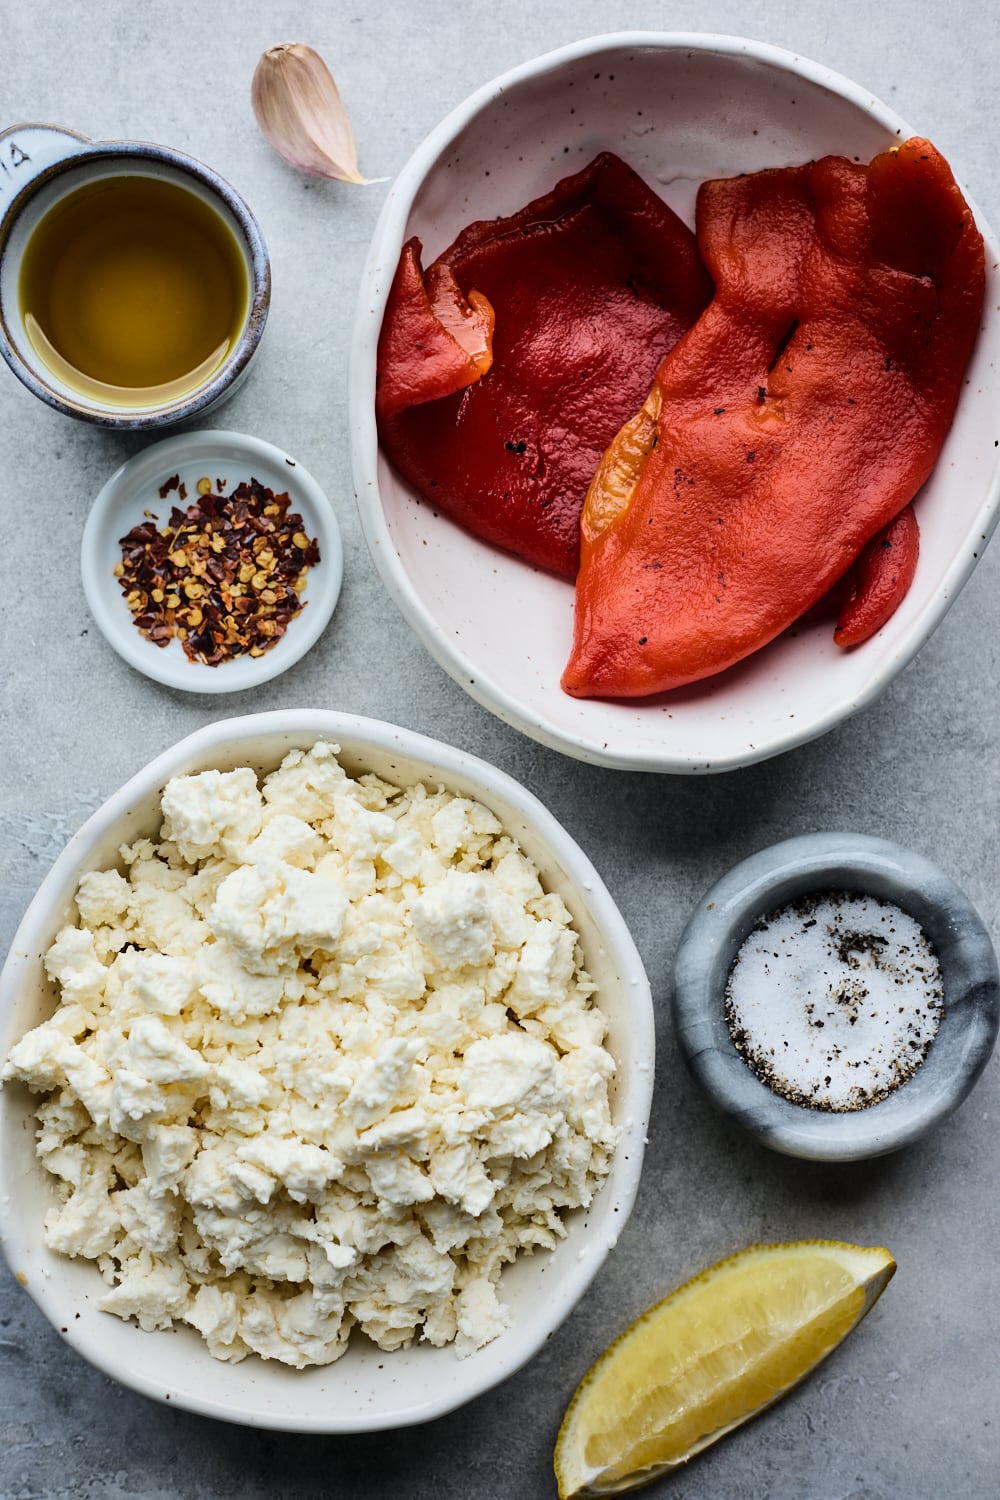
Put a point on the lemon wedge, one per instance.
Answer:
(711, 1355)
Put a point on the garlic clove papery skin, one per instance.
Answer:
(301, 114)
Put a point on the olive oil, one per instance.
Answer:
(133, 290)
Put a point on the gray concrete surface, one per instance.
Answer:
(911, 1406)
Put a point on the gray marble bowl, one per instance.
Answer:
(855, 862)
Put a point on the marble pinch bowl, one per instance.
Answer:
(367, 1389)
(848, 862)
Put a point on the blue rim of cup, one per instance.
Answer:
(260, 290)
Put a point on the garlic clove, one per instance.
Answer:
(301, 113)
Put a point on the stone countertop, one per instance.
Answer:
(911, 1406)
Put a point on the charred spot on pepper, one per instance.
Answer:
(782, 345)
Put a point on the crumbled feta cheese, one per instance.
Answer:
(325, 1055)
(74, 965)
(290, 839)
(214, 812)
(102, 898)
(275, 914)
(453, 921)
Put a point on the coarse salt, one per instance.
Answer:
(834, 1000)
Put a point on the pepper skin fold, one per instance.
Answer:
(789, 426)
(879, 581)
(587, 288)
(434, 340)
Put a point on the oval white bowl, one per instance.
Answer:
(366, 1389)
(678, 108)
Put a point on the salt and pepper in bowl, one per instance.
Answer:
(836, 995)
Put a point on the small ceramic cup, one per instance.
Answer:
(845, 862)
(42, 165)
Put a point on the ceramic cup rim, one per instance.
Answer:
(259, 278)
(767, 880)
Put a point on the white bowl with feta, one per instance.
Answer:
(327, 1066)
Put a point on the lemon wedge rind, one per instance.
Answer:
(714, 1353)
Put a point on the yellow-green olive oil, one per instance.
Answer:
(133, 290)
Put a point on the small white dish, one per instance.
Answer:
(679, 108)
(367, 1389)
(132, 495)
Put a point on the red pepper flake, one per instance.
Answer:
(175, 482)
(225, 575)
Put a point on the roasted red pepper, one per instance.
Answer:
(434, 340)
(590, 286)
(878, 582)
(799, 415)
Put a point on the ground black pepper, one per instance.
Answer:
(834, 1000)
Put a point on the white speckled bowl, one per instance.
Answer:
(678, 108)
(366, 1389)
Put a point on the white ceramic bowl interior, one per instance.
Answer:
(367, 1388)
(132, 494)
(679, 109)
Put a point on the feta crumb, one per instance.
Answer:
(452, 920)
(274, 914)
(214, 812)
